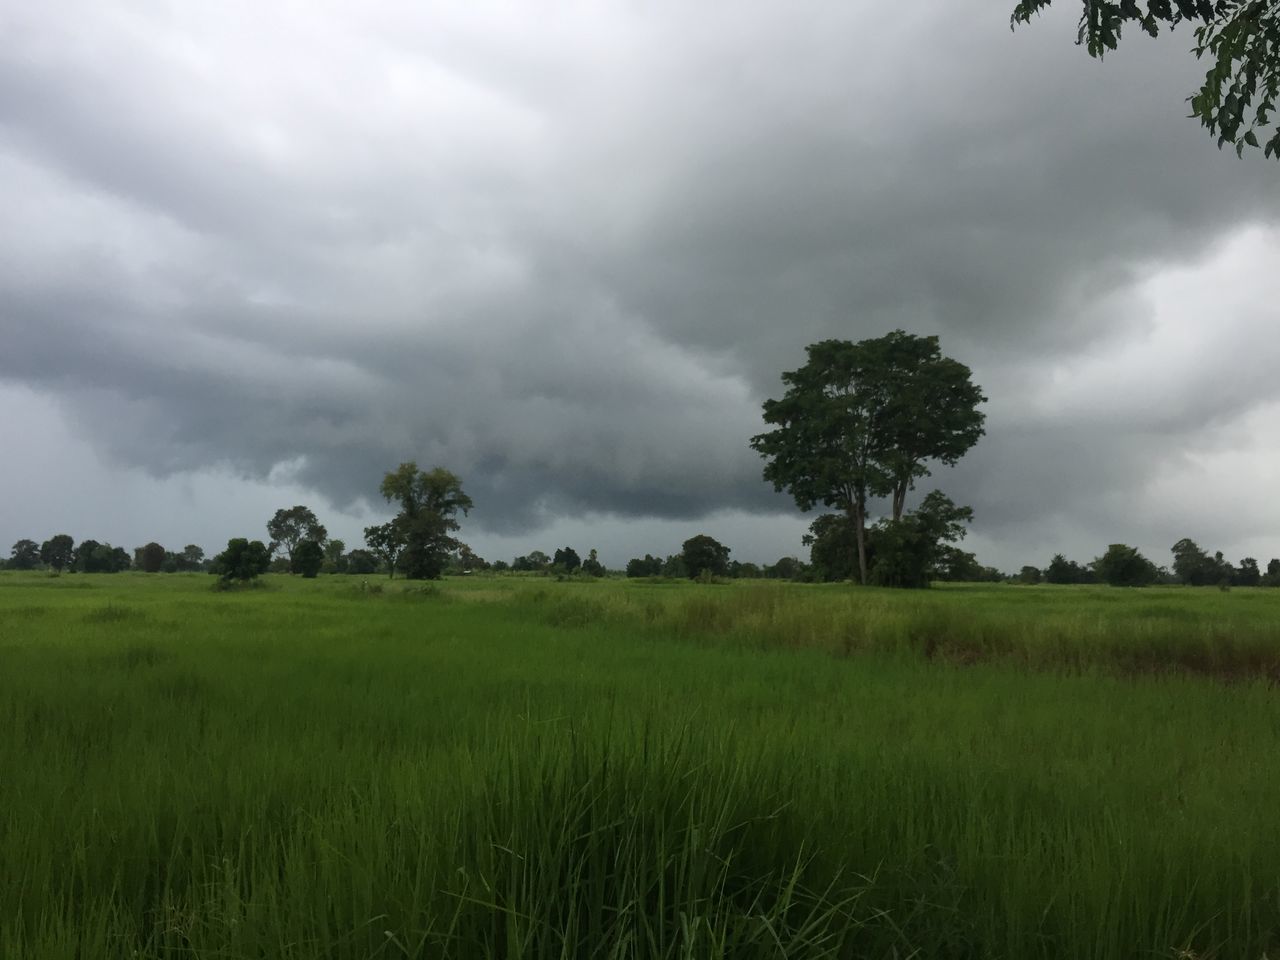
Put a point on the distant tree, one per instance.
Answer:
(833, 547)
(86, 557)
(647, 566)
(500, 566)
(705, 553)
(787, 568)
(1062, 570)
(1272, 578)
(335, 559)
(361, 563)
(290, 527)
(386, 542)
(1029, 575)
(25, 555)
(1124, 566)
(744, 571)
(536, 561)
(909, 552)
(674, 566)
(1191, 565)
(150, 558)
(469, 560)
(191, 558)
(567, 559)
(864, 419)
(1241, 37)
(592, 566)
(58, 552)
(308, 559)
(429, 502)
(1248, 575)
(243, 560)
(957, 566)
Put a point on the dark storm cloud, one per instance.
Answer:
(568, 256)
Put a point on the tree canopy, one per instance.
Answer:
(290, 527)
(420, 538)
(865, 419)
(705, 553)
(1240, 38)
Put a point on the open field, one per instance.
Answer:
(530, 769)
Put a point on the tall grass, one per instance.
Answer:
(607, 771)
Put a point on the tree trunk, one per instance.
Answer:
(899, 500)
(860, 533)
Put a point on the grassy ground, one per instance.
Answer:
(521, 769)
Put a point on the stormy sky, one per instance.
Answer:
(254, 255)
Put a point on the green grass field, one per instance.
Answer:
(530, 769)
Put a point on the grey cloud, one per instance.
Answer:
(569, 258)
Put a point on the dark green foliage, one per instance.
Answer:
(429, 502)
(1124, 566)
(25, 555)
(535, 562)
(361, 562)
(1062, 570)
(863, 420)
(386, 543)
(335, 557)
(1029, 575)
(308, 558)
(192, 557)
(704, 553)
(57, 552)
(243, 560)
(787, 568)
(94, 557)
(150, 558)
(1248, 575)
(1237, 100)
(1272, 577)
(290, 527)
(592, 566)
(674, 566)
(833, 547)
(744, 571)
(907, 553)
(468, 559)
(648, 566)
(566, 560)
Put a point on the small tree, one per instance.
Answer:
(1029, 575)
(58, 552)
(361, 562)
(648, 566)
(335, 560)
(308, 558)
(567, 559)
(592, 566)
(1124, 566)
(243, 560)
(429, 503)
(290, 527)
(909, 553)
(705, 553)
(386, 543)
(25, 555)
(1248, 575)
(150, 558)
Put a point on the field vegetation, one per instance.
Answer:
(520, 768)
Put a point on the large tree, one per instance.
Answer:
(1240, 37)
(704, 552)
(288, 528)
(429, 502)
(25, 555)
(862, 420)
(57, 552)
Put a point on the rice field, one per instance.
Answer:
(502, 767)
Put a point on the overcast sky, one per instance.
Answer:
(256, 254)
